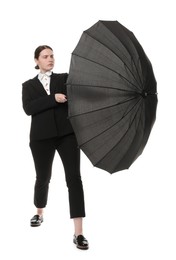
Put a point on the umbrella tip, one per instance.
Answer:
(144, 94)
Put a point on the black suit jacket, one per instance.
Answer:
(49, 118)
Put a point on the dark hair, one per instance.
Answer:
(37, 52)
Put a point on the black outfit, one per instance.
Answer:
(51, 131)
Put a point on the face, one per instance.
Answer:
(45, 60)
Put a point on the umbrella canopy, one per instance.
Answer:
(111, 92)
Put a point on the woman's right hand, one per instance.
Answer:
(60, 98)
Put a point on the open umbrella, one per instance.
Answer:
(111, 92)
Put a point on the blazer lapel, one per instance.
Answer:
(53, 83)
(38, 86)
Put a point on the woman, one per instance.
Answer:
(44, 98)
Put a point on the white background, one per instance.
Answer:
(130, 214)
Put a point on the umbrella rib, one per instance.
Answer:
(99, 109)
(115, 144)
(106, 68)
(110, 126)
(118, 56)
(96, 86)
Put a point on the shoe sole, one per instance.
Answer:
(33, 225)
(82, 248)
(36, 225)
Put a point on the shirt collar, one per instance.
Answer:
(41, 75)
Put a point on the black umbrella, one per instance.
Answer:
(112, 98)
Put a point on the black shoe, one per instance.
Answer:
(36, 221)
(81, 242)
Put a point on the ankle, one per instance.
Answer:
(40, 212)
(78, 234)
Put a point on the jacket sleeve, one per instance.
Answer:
(37, 105)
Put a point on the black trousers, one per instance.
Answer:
(43, 152)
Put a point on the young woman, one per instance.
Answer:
(44, 98)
